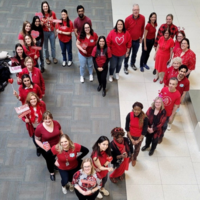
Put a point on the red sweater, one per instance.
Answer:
(36, 78)
(135, 26)
(118, 42)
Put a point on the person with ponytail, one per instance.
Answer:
(101, 157)
(122, 152)
(136, 127)
(64, 30)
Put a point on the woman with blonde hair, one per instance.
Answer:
(86, 181)
(68, 162)
(156, 118)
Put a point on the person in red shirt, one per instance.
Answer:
(187, 55)
(148, 41)
(29, 49)
(26, 87)
(35, 74)
(163, 55)
(68, 162)
(136, 127)
(171, 99)
(80, 20)
(135, 26)
(101, 157)
(49, 31)
(47, 134)
(101, 55)
(64, 31)
(85, 43)
(119, 41)
(172, 71)
(26, 30)
(177, 45)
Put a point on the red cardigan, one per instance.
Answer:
(37, 78)
(29, 126)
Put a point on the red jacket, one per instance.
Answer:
(29, 125)
(37, 78)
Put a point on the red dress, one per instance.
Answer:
(163, 54)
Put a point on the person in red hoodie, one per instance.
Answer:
(34, 73)
(119, 41)
(29, 49)
(134, 24)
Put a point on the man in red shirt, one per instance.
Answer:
(134, 24)
(80, 20)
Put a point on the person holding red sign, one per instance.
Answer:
(34, 73)
(86, 181)
(26, 30)
(68, 162)
(26, 87)
(64, 30)
(29, 49)
(85, 44)
(49, 31)
(101, 157)
(19, 55)
(101, 55)
(37, 33)
(122, 153)
(47, 134)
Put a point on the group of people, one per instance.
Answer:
(88, 176)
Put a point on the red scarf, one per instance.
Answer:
(121, 146)
(38, 111)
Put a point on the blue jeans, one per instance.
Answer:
(134, 48)
(83, 62)
(51, 37)
(66, 46)
(38, 43)
(116, 63)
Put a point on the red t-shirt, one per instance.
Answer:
(78, 23)
(68, 157)
(170, 99)
(88, 44)
(20, 37)
(48, 22)
(171, 72)
(46, 136)
(151, 34)
(65, 28)
(119, 42)
(177, 45)
(183, 85)
(102, 58)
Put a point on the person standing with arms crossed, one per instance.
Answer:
(134, 24)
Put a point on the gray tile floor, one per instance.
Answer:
(82, 111)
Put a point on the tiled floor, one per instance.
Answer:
(173, 172)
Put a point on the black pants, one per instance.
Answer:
(90, 197)
(150, 139)
(102, 77)
(145, 54)
(104, 180)
(164, 128)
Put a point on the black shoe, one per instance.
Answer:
(134, 67)
(151, 152)
(42, 69)
(144, 148)
(52, 177)
(126, 70)
(38, 152)
(154, 72)
(104, 93)
(99, 88)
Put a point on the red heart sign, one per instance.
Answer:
(109, 159)
(35, 34)
(40, 15)
(10, 80)
(57, 21)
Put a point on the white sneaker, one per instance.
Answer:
(69, 63)
(110, 78)
(91, 77)
(100, 196)
(64, 63)
(169, 127)
(117, 76)
(71, 187)
(64, 190)
(81, 79)
(104, 191)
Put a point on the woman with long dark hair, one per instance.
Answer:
(119, 41)
(36, 26)
(49, 34)
(85, 44)
(136, 127)
(148, 41)
(101, 56)
(64, 30)
(26, 30)
(101, 157)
